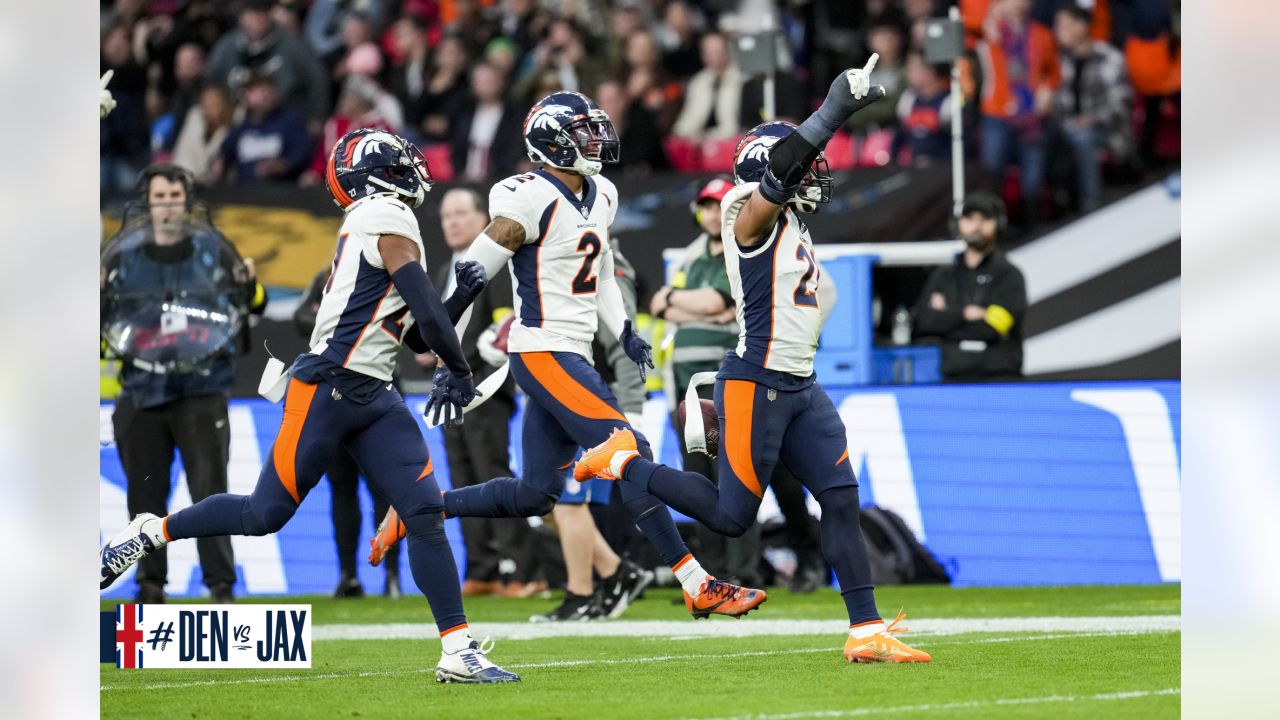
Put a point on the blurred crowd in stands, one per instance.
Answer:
(1059, 93)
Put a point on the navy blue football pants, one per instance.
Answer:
(385, 440)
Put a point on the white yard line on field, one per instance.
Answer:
(834, 649)
(684, 629)
(965, 705)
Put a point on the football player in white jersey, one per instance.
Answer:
(770, 406)
(339, 393)
(552, 227)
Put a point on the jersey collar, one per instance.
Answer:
(585, 204)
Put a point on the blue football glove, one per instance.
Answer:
(640, 352)
(449, 394)
(471, 278)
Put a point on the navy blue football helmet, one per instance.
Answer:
(567, 131)
(369, 161)
(751, 160)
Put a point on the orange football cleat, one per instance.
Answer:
(595, 462)
(721, 598)
(883, 646)
(390, 532)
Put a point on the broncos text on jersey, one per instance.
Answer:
(362, 318)
(557, 270)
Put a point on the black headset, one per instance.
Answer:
(990, 200)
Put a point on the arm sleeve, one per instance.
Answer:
(931, 322)
(432, 321)
(610, 306)
(514, 205)
(627, 386)
(384, 217)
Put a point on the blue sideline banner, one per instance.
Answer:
(1018, 484)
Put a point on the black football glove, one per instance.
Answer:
(640, 352)
(449, 394)
(471, 278)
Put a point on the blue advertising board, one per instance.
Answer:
(1017, 484)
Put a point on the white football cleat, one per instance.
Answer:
(141, 537)
(469, 665)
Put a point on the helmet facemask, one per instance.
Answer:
(411, 165)
(594, 140)
(815, 188)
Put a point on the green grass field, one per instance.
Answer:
(1087, 652)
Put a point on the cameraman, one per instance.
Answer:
(160, 409)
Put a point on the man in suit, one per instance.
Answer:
(477, 450)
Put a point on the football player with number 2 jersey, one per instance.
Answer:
(551, 226)
(770, 406)
(339, 392)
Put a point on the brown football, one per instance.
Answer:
(710, 425)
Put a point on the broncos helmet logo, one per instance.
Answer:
(370, 144)
(757, 148)
(545, 117)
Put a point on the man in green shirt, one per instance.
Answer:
(699, 303)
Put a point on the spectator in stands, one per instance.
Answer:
(1020, 71)
(407, 79)
(487, 142)
(924, 112)
(713, 97)
(365, 62)
(649, 82)
(123, 133)
(357, 108)
(161, 123)
(257, 43)
(445, 94)
(206, 126)
(678, 32)
(470, 24)
(640, 147)
(977, 305)
(563, 52)
(188, 82)
(521, 24)
(1092, 106)
(270, 144)
(886, 37)
(327, 29)
(624, 21)
(357, 37)
(288, 18)
(502, 54)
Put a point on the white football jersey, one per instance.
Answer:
(775, 285)
(362, 318)
(558, 268)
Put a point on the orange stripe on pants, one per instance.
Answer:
(739, 404)
(568, 391)
(285, 451)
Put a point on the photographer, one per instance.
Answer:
(173, 296)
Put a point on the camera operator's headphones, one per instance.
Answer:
(715, 189)
(988, 204)
(169, 171)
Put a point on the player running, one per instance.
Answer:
(340, 393)
(766, 395)
(552, 227)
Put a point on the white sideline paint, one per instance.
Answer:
(751, 628)
(832, 648)
(964, 705)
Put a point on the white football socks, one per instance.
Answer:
(456, 640)
(619, 460)
(866, 629)
(691, 576)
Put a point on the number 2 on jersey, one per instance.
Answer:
(805, 297)
(584, 282)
